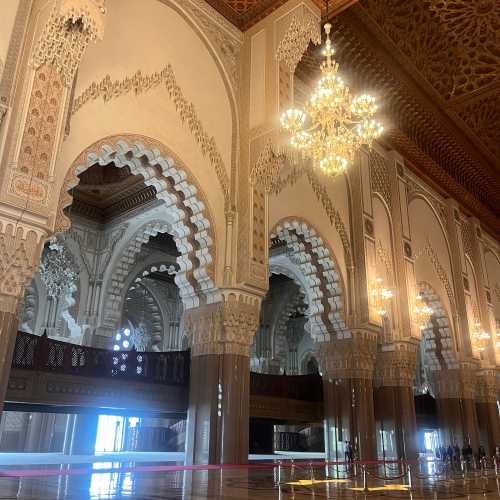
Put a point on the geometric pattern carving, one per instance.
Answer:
(380, 179)
(332, 213)
(296, 40)
(324, 285)
(189, 220)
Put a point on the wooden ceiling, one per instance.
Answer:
(106, 192)
(435, 65)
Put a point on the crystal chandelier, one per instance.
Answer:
(333, 125)
(380, 295)
(422, 312)
(58, 270)
(479, 338)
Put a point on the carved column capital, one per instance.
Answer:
(350, 354)
(396, 365)
(487, 387)
(459, 383)
(20, 247)
(225, 327)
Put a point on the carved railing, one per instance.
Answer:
(47, 355)
(170, 368)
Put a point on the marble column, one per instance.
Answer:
(218, 415)
(455, 397)
(487, 410)
(394, 399)
(347, 363)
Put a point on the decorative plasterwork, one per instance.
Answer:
(107, 90)
(72, 25)
(20, 248)
(294, 43)
(324, 288)
(191, 224)
(227, 39)
(227, 327)
(385, 258)
(440, 271)
(459, 383)
(332, 213)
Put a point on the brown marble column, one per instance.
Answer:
(347, 364)
(487, 410)
(394, 399)
(218, 416)
(455, 397)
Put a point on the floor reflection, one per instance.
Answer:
(103, 481)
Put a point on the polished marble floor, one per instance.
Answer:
(253, 483)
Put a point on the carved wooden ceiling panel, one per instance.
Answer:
(105, 192)
(245, 13)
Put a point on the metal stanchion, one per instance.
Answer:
(365, 478)
(279, 472)
(410, 484)
(311, 472)
(496, 465)
(292, 471)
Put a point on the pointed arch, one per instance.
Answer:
(187, 215)
(323, 282)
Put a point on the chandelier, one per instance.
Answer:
(58, 270)
(422, 312)
(380, 296)
(333, 125)
(479, 338)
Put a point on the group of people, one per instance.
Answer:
(454, 455)
(350, 452)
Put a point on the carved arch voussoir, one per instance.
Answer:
(190, 222)
(325, 289)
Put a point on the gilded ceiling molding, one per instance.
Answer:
(294, 43)
(139, 84)
(72, 25)
(332, 213)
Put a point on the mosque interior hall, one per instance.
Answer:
(249, 248)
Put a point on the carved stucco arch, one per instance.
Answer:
(190, 222)
(324, 284)
(438, 336)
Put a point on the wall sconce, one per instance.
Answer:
(380, 296)
(422, 312)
